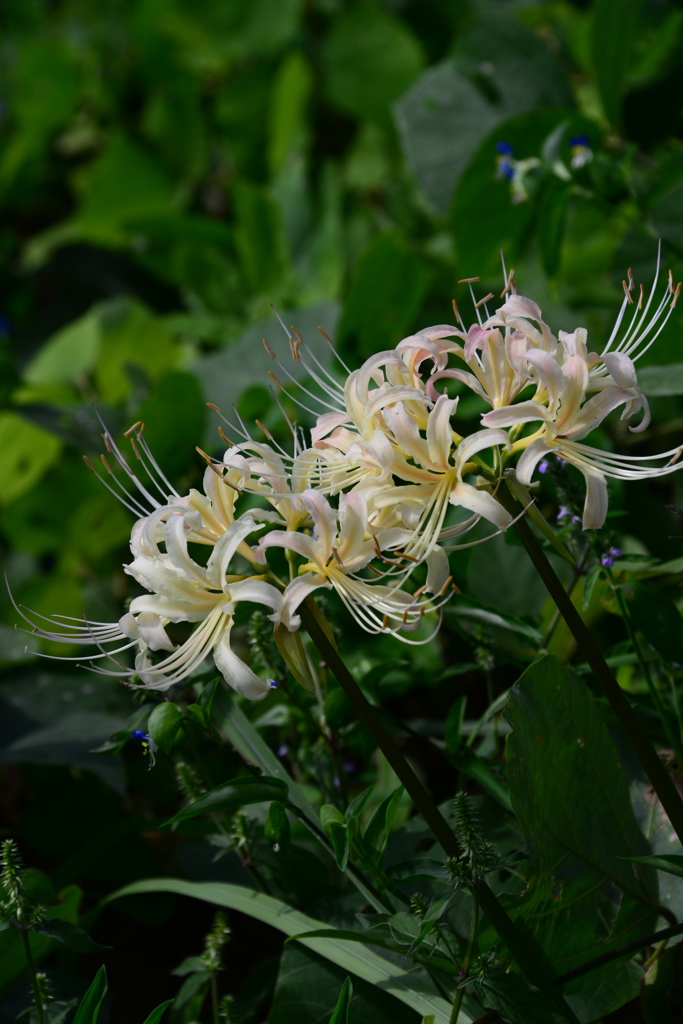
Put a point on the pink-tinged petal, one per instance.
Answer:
(327, 423)
(148, 628)
(631, 410)
(324, 521)
(440, 432)
(575, 344)
(405, 430)
(297, 591)
(518, 305)
(595, 506)
(476, 339)
(550, 374)
(304, 545)
(510, 415)
(353, 518)
(477, 442)
(236, 674)
(481, 503)
(594, 412)
(574, 392)
(438, 570)
(462, 375)
(621, 369)
(530, 458)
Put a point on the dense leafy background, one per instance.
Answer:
(168, 170)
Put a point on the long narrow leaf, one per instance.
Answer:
(341, 1010)
(413, 989)
(89, 1010)
(156, 1015)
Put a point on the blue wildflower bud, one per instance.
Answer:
(505, 161)
(581, 151)
(148, 745)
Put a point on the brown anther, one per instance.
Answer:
(509, 284)
(409, 558)
(294, 348)
(106, 465)
(268, 348)
(326, 336)
(641, 298)
(275, 380)
(445, 586)
(469, 280)
(629, 275)
(455, 589)
(627, 293)
(337, 558)
(211, 405)
(134, 446)
(485, 299)
(675, 457)
(107, 443)
(676, 294)
(135, 426)
(385, 622)
(671, 283)
(264, 429)
(420, 591)
(296, 345)
(457, 312)
(88, 463)
(223, 437)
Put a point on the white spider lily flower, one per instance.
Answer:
(338, 549)
(569, 417)
(180, 590)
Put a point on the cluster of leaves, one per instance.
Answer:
(168, 171)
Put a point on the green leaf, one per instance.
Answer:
(414, 989)
(553, 201)
(89, 1010)
(335, 828)
(68, 934)
(659, 381)
(589, 585)
(386, 293)
(163, 725)
(259, 236)
(26, 452)
(291, 647)
(614, 37)
(173, 438)
(131, 336)
(290, 95)
(68, 354)
(516, 1000)
(453, 728)
(369, 58)
(276, 828)
(672, 864)
(571, 797)
(341, 1010)
(658, 619)
(156, 1015)
(232, 795)
(376, 835)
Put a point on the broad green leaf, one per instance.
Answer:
(232, 795)
(414, 989)
(445, 116)
(163, 725)
(307, 986)
(68, 934)
(516, 1000)
(341, 1010)
(131, 335)
(276, 828)
(553, 202)
(490, 617)
(89, 1009)
(661, 380)
(156, 1015)
(571, 797)
(672, 864)
(369, 58)
(386, 293)
(68, 354)
(376, 835)
(615, 34)
(658, 619)
(259, 237)
(661, 998)
(26, 452)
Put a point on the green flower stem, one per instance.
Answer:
(536, 972)
(467, 962)
(647, 755)
(40, 1013)
(645, 669)
(214, 997)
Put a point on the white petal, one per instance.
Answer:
(438, 570)
(595, 507)
(481, 503)
(510, 415)
(530, 458)
(236, 674)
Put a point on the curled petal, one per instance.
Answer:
(236, 674)
(530, 458)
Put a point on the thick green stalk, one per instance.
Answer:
(517, 944)
(647, 755)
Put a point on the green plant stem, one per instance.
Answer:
(214, 997)
(40, 1014)
(646, 753)
(644, 668)
(467, 962)
(526, 957)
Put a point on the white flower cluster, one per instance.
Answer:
(363, 503)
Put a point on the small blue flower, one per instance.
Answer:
(581, 151)
(607, 561)
(272, 683)
(505, 161)
(148, 745)
(543, 466)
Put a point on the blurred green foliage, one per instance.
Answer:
(171, 169)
